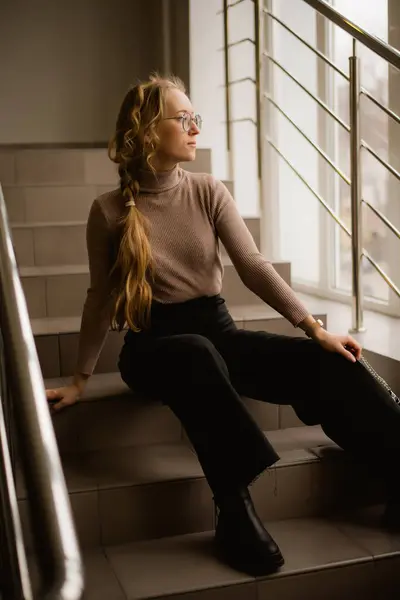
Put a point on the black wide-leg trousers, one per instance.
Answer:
(194, 359)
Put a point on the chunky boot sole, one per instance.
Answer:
(268, 565)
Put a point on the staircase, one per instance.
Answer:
(143, 510)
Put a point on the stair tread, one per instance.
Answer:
(158, 463)
(53, 325)
(53, 270)
(187, 564)
(46, 224)
(35, 271)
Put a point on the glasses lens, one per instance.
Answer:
(186, 122)
(198, 121)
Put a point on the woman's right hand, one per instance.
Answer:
(62, 397)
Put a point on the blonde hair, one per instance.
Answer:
(132, 147)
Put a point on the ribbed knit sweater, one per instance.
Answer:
(188, 214)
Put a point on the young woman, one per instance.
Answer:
(155, 265)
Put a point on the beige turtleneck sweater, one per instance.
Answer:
(188, 213)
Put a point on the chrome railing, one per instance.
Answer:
(25, 418)
(389, 54)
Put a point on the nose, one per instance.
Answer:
(194, 130)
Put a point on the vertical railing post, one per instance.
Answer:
(229, 143)
(259, 35)
(356, 216)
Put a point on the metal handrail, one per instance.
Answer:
(323, 154)
(329, 62)
(388, 53)
(383, 162)
(385, 109)
(59, 556)
(317, 52)
(383, 218)
(335, 217)
(309, 187)
(320, 103)
(228, 6)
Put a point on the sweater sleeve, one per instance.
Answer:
(98, 304)
(255, 271)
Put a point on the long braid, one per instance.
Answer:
(133, 146)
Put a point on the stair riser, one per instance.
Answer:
(113, 514)
(89, 166)
(57, 352)
(66, 245)
(64, 295)
(124, 423)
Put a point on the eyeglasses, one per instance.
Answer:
(187, 120)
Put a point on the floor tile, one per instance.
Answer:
(247, 591)
(352, 582)
(311, 543)
(363, 526)
(181, 564)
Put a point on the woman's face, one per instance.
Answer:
(176, 144)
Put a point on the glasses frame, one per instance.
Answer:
(191, 120)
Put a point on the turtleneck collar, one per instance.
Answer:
(160, 181)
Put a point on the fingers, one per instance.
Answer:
(353, 346)
(349, 355)
(58, 406)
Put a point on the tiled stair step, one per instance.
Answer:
(60, 291)
(57, 338)
(52, 203)
(325, 560)
(64, 243)
(110, 415)
(74, 166)
(122, 495)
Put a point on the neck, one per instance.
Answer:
(160, 180)
(161, 164)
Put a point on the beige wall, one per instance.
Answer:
(65, 65)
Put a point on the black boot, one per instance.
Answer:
(242, 540)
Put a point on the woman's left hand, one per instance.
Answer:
(342, 344)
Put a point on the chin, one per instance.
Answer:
(188, 156)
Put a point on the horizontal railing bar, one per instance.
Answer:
(383, 218)
(244, 120)
(382, 273)
(315, 193)
(232, 5)
(237, 43)
(242, 80)
(332, 213)
(324, 106)
(383, 162)
(309, 46)
(387, 110)
(388, 53)
(313, 144)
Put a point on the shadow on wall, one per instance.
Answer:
(66, 65)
